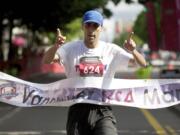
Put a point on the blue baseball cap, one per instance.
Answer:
(93, 16)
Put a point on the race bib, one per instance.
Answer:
(90, 66)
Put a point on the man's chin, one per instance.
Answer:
(91, 41)
(91, 38)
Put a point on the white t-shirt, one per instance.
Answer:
(104, 60)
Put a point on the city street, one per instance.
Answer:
(51, 121)
(137, 42)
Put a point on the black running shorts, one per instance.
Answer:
(90, 119)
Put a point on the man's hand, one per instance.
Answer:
(59, 39)
(129, 44)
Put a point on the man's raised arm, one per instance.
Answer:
(50, 56)
(130, 46)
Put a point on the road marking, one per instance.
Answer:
(154, 123)
(9, 115)
(134, 132)
(171, 130)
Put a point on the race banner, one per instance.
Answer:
(140, 93)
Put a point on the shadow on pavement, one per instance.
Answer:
(176, 110)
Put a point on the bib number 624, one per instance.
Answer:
(91, 69)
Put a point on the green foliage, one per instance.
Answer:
(120, 40)
(12, 71)
(48, 14)
(140, 25)
(158, 19)
(144, 73)
(52, 37)
(73, 29)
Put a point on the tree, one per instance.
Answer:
(46, 16)
(140, 25)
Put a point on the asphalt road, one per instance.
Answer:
(52, 120)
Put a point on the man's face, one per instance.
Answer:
(91, 32)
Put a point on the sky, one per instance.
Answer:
(122, 13)
(125, 11)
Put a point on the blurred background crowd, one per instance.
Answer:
(28, 29)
